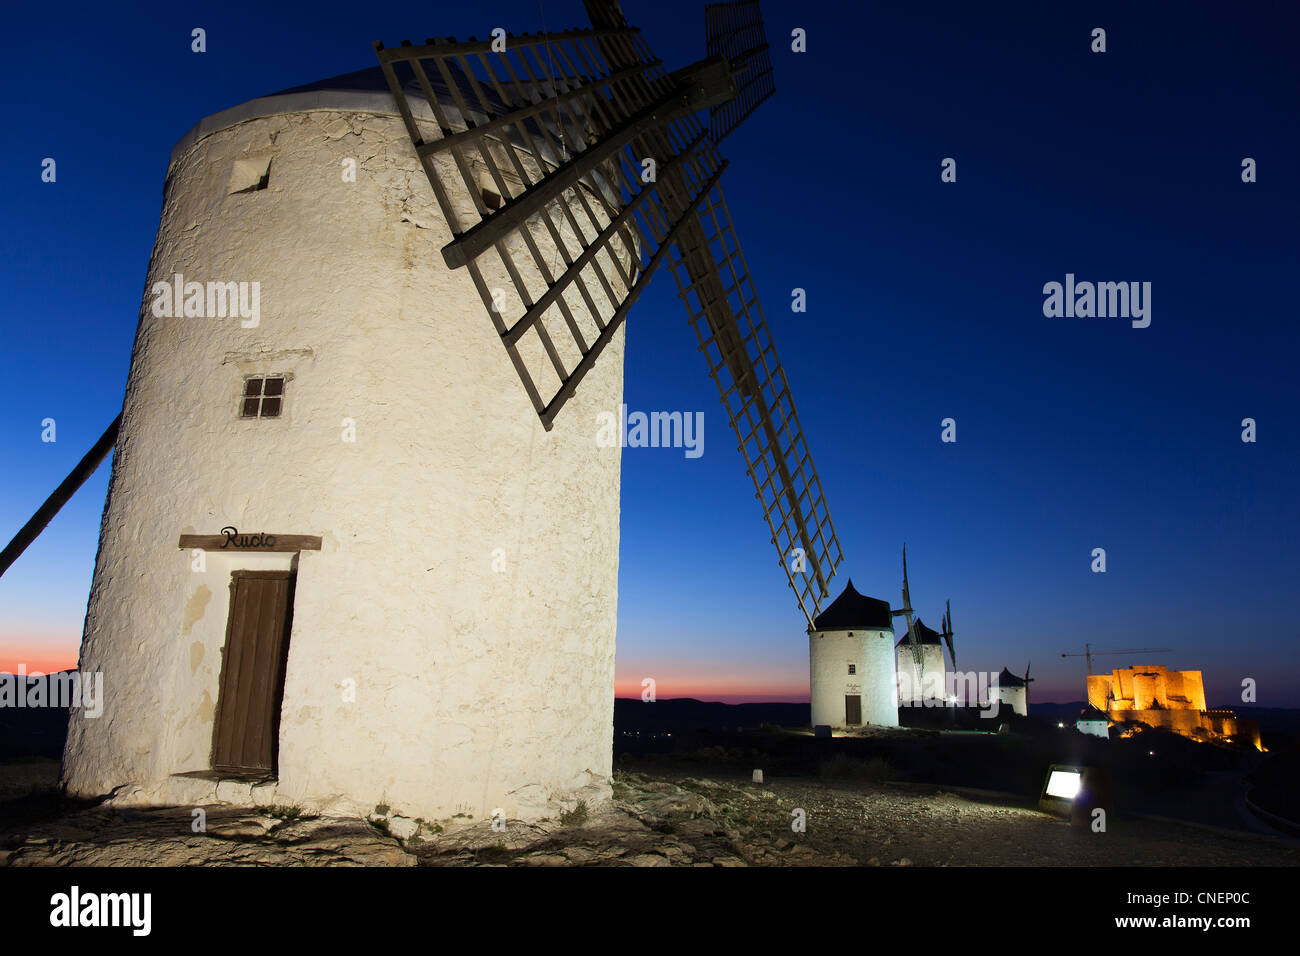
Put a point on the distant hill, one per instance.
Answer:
(32, 731)
(1067, 712)
(687, 713)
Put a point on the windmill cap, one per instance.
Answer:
(852, 611)
(361, 91)
(924, 635)
(1008, 679)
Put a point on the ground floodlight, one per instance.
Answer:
(1075, 792)
(1060, 788)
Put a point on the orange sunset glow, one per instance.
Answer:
(730, 689)
(34, 656)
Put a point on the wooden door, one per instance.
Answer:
(246, 735)
(852, 709)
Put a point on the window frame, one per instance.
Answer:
(263, 377)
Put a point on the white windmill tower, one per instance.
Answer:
(346, 558)
(922, 677)
(851, 663)
(1013, 690)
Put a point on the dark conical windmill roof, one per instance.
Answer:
(372, 80)
(369, 78)
(1092, 713)
(853, 611)
(1008, 679)
(924, 635)
(367, 91)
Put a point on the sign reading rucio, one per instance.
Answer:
(234, 538)
(231, 540)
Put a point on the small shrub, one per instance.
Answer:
(285, 812)
(575, 817)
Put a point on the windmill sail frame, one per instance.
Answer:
(736, 31)
(577, 128)
(555, 129)
(733, 335)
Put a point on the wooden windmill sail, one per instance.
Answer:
(947, 632)
(913, 641)
(582, 141)
(919, 636)
(558, 127)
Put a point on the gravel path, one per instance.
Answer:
(655, 820)
(672, 821)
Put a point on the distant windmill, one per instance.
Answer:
(920, 652)
(1014, 690)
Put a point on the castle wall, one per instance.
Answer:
(1179, 721)
(1145, 688)
(1146, 692)
(472, 688)
(1099, 687)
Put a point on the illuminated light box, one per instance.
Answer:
(1075, 792)
(1063, 783)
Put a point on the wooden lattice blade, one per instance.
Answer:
(536, 155)
(714, 282)
(735, 31)
(60, 496)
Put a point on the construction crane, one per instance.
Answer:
(1089, 653)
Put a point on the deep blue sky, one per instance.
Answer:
(924, 299)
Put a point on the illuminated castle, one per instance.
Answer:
(1154, 695)
(1152, 687)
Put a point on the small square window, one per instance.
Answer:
(853, 668)
(263, 397)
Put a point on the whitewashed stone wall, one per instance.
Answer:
(875, 680)
(475, 690)
(921, 676)
(1097, 728)
(1015, 697)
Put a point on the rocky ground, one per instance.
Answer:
(659, 819)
